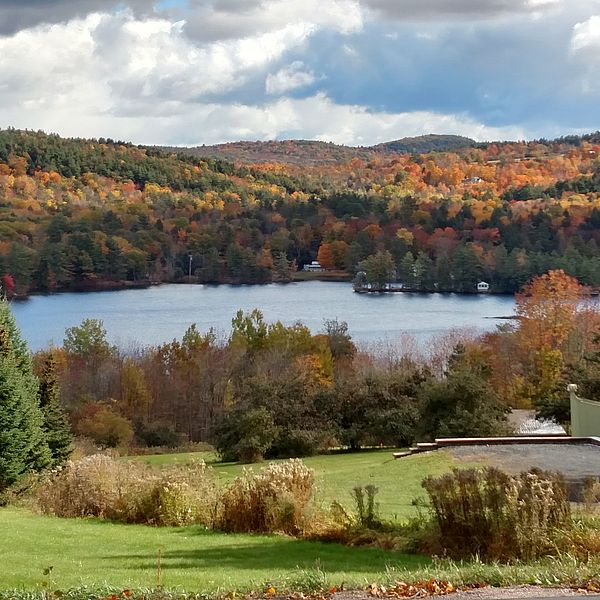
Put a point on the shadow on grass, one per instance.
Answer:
(273, 554)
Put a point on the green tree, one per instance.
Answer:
(249, 329)
(424, 273)
(463, 404)
(21, 265)
(246, 435)
(379, 269)
(56, 424)
(407, 271)
(23, 447)
(88, 340)
(339, 340)
(467, 269)
(443, 272)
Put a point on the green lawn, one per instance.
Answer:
(398, 481)
(97, 553)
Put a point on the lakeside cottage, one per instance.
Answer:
(483, 286)
(314, 266)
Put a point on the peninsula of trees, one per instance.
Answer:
(87, 214)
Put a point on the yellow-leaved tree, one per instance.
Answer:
(547, 310)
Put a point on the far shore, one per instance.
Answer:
(299, 277)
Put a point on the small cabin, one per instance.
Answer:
(483, 286)
(314, 266)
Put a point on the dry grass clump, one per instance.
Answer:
(591, 494)
(495, 515)
(278, 498)
(130, 492)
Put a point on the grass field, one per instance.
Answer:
(97, 553)
(398, 481)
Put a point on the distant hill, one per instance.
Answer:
(309, 152)
(426, 143)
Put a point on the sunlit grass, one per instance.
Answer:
(398, 481)
(99, 553)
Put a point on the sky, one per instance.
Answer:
(358, 72)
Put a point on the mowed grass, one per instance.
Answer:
(99, 553)
(398, 481)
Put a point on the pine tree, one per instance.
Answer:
(23, 447)
(56, 424)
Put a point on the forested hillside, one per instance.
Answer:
(93, 213)
(311, 153)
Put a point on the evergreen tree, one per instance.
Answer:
(23, 446)
(56, 424)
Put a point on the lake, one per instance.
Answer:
(162, 313)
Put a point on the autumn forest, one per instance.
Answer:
(90, 214)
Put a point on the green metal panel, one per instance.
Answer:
(585, 415)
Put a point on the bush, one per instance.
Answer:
(106, 428)
(246, 435)
(279, 498)
(497, 516)
(159, 435)
(130, 492)
(461, 405)
(298, 443)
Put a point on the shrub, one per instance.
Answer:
(278, 498)
(497, 516)
(246, 435)
(463, 404)
(160, 435)
(131, 492)
(297, 443)
(106, 428)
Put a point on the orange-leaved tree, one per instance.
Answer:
(547, 310)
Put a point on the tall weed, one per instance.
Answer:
(494, 515)
(131, 492)
(278, 498)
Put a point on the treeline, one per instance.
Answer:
(274, 390)
(269, 390)
(80, 214)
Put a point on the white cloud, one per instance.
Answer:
(585, 51)
(290, 78)
(229, 19)
(586, 35)
(316, 117)
(117, 64)
(151, 81)
(322, 119)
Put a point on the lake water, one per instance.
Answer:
(162, 313)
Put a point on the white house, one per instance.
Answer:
(315, 265)
(482, 286)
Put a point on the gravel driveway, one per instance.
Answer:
(576, 462)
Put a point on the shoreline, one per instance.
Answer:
(116, 286)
